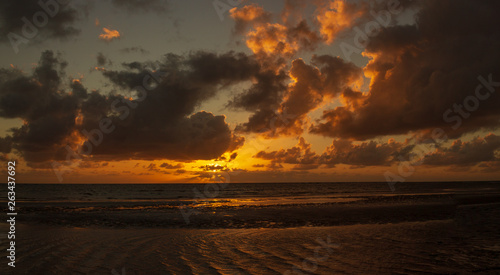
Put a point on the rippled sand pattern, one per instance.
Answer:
(444, 247)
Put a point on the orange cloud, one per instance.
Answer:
(271, 39)
(337, 16)
(265, 37)
(249, 14)
(109, 35)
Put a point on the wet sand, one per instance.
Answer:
(410, 235)
(217, 213)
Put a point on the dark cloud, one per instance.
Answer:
(306, 38)
(364, 154)
(134, 50)
(483, 152)
(180, 171)
(171, 166)
(213, 167)
(199, 136)
(153, 168)
(419, 72)
(490, 166)
(60, 20)
(300, 155)
(233, 156)
(92, 164)
(340, 152)
(281, 109)
(263, 99)
(159, 123)
(274, 166)
(469, 153)
(102, 60)
(314, 84)
(49, 115)
(163, 124)
(78, 89)
(199, 72)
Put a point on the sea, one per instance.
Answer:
(265, 192)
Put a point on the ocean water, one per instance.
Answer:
(190, 192)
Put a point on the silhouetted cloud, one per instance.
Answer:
(364, 154)
(134, 49)
(103, 60)
(159, 124)
(340, 152)
(463, 153)
(49, 115)
(300, 154)
(34, 20)
(421, 71)
(484, 152)
(171, 166)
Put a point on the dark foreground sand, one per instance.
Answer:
(462, 238)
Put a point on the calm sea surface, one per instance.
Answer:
(166, 192)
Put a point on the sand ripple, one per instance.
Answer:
(441, 246)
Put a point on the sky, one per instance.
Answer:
(166, 91)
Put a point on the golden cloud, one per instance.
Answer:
(109, 35)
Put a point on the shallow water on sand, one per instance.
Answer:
(443, 247)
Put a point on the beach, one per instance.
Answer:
(448, 232)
